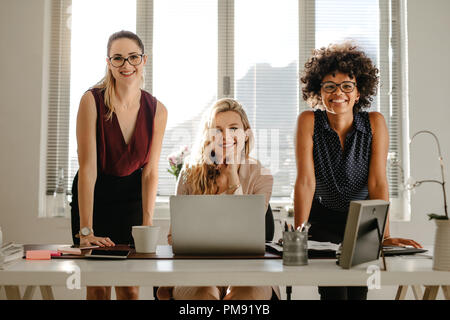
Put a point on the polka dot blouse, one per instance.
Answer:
(341, 175)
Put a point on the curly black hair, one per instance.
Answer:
(345, 58)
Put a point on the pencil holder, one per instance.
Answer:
(295, 248)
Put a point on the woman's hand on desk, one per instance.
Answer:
(401, 242)
(99, 241)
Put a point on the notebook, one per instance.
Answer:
(218, 224)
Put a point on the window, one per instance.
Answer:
(90, 33)
(376, 26)
(77, 62)
(202, 50)
(184, 72)
(266, 81)
(59, 93)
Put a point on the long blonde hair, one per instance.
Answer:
(108, 83)
(199, 173)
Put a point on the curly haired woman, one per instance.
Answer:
(341, 149)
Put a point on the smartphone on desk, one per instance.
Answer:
(75, 249)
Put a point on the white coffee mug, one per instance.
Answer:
(145, 238)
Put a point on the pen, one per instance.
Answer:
(286, 227)
(304, 227)
(307, 226)
(301, 227)
(289, 227)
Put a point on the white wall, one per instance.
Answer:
(429, 82)
(21, 80)
(21, 56)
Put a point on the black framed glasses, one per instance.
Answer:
(119, 61)
(345, 86)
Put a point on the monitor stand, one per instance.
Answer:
(380, 237)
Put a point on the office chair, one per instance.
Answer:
(270, 224)
(270, 231)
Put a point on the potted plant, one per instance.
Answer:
(441, 256)
(176, 161)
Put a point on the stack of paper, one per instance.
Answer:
(10, 252)
(312, 245)
(316, 245)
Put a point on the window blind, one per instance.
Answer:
(399, 112)
(59, 94)
(144, 26)
(307, 38)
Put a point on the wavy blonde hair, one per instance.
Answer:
(108, 83)
(199, 173)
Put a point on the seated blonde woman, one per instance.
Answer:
(220, 164)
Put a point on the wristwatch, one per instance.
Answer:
(85, 231)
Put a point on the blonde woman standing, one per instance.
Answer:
(220, 164)
(120, 128)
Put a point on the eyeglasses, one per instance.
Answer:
(119, 61)
(346, 86)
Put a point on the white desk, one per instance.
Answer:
(401, 271)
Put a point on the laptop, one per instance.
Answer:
(218, 224)
(389, 251)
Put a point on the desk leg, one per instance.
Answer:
(446, 290)
(288, 292)
(29, 292)
(12, 292)
(417, 290)
(430, 292)
(47, 293)
(401, 292)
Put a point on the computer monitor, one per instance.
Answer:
(363, 236)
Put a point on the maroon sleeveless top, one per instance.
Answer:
(114, 156)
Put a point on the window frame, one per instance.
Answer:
(393, 38)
